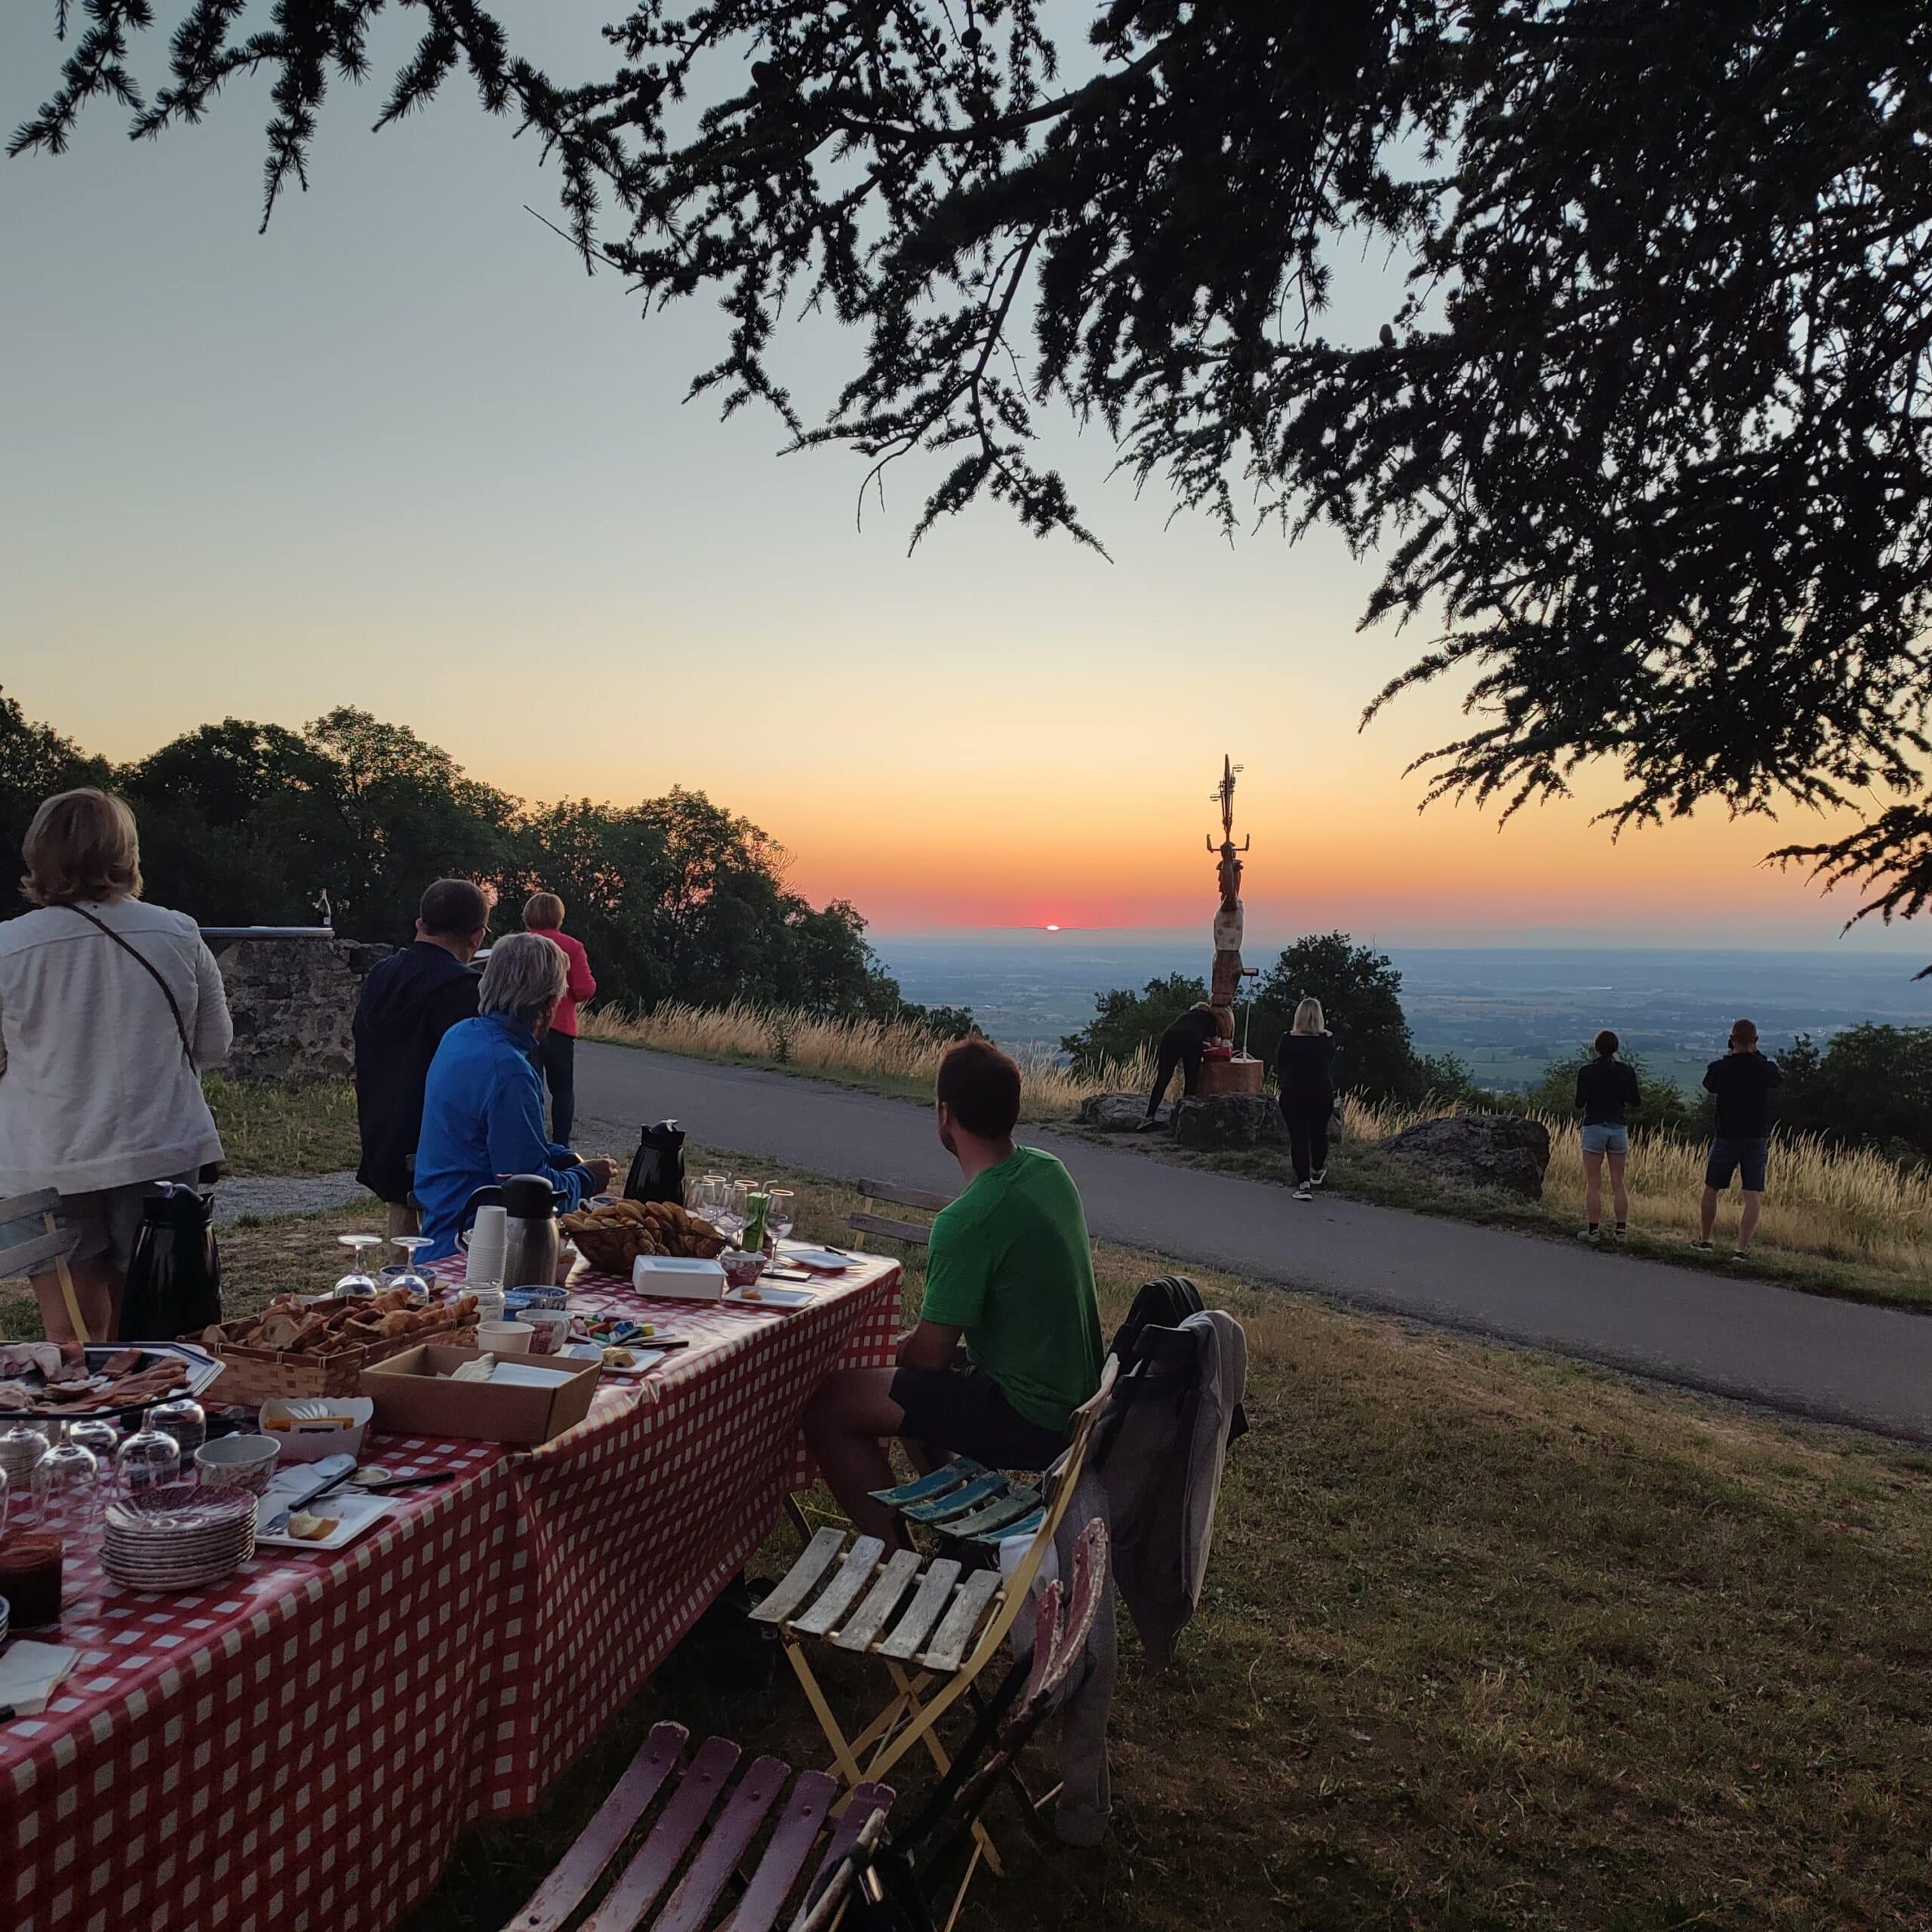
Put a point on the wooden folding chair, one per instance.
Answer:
(21, 1257)
(929, 1621)
(706, 1835)
(915, 1234)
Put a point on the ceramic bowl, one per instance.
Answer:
(244, 1462)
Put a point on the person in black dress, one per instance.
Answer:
(1181, 1046)
(1305, 1065)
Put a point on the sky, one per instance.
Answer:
(401, 452)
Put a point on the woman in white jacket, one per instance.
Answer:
(108, 1010)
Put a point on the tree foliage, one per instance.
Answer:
(249, 824)
(1124, 1021)
(1643, 434)
(1870, 1086)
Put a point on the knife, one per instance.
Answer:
(277, 1524)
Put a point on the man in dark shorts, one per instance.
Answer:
(1743, 1081)
(1008, 1343)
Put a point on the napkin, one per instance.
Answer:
(30, 1673)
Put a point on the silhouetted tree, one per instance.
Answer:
(1643, 427)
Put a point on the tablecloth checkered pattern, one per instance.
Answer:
(296, 1750)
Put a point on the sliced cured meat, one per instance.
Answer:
(123, 1361)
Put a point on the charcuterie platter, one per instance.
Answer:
(69, 1381)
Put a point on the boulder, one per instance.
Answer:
(1118, 1113)
(1210, 1122)
(1502, 1152)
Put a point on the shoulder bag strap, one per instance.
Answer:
(153, 972)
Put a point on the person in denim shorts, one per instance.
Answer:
(1606, 1093)
(1743, 1081)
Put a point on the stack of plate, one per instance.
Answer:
(178, 1537)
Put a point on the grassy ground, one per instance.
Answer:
(1491, 1641)
(273, 1126)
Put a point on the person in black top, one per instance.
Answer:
(1743, 1081)
(1305, 1066)
(1181, 1046)
(409, 1001)
(1606, 1092)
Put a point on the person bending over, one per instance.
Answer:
(1010, 1274)
(1607, 1092)
(409, 1001)
(483, 1103)
(1182, 1045)
(1743, 1081)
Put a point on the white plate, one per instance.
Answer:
(761, 1296)
(353, 1513)
(821, 1259)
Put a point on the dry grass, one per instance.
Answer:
(283, 1127)
(891, 1054)
(1838, 1204)
(1489, 1641)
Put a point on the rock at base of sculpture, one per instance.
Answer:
(1500, 1152)
(1119, 1113)
(1210, 1123)
(293, 1000)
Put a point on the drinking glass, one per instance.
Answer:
(711, 1192)
(185, 1420)
(411, 1278)
(358, 1280)
(100, 1439)
(779, 1213)
(735, 1212)
(66, 1480)
(148, 1460)
(21, 1447)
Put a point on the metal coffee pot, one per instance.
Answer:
(532, 1241)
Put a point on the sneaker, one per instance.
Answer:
(1589, 1235)
(1318, 1177)
(1702, 1247)
(1304, 1193)
(1742, 1254)
(1622, 1231)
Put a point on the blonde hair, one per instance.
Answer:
(82, 844)
(543, 911)
(1308, 1018)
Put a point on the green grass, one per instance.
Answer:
(283, 1127)
(1489, 1641)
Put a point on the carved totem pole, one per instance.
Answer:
(1239, 1075)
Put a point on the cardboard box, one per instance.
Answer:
(414, 1396)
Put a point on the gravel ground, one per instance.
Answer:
(284, 1194)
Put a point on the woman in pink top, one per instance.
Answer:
(543, 912)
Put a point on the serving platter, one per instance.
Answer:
(202, 1369)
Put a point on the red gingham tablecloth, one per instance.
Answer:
(297, 1751)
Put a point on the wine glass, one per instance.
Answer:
(147, 1459)
(734, 1211)
(358, 1280)
(711, 1193)
(21, 1447)
(411, 1278)
(184, 1418)
(64, 1481)
(100, 1439)
(780, 1214)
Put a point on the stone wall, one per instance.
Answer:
(293, 996)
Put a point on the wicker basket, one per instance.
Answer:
(253, 1375)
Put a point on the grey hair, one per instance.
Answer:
(525, 972)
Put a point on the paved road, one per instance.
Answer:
(1807, 1354)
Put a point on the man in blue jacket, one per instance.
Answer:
(483, 1103)
(409, 1001)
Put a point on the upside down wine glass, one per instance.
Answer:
(412, 1277)
(358, 1280)
(148, 1460)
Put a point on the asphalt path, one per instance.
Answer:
(1802, 1354)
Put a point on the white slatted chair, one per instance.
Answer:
(930, 1621)
(24, 1253)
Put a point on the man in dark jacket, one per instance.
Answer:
(1743, 1081)
(409, 1001)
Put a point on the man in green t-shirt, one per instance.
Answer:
(1010, 1275)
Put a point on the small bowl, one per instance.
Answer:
(741, 1269)
(506, 1338)
(239, 1462)
(515, 1300)
(389, 1277)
